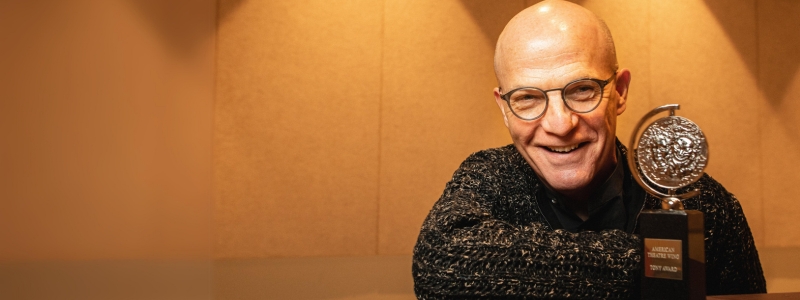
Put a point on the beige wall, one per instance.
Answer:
(105, 149)
(778, 72)
(105, 129)
(297, 128)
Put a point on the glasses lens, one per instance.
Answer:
(583, 95)
(527, 103)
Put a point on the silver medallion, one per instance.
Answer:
(672, 152)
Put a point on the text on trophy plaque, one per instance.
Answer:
(663, 259)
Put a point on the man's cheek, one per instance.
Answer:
(527, 130)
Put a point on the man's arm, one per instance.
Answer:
(732, 263)
(465, 251)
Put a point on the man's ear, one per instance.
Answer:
(502, 104)
(621, 87)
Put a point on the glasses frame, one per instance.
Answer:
(602, 84)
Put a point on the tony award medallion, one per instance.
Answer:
(670, 154)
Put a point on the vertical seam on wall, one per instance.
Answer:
(649, 56)
(214, 97)
(760, 126)
(380, 133)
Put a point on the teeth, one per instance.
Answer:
(564, 149)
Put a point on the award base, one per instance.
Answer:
(674, 254)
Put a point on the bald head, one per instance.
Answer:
(554, 28)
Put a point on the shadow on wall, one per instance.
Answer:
(488, 17)
(738, 27)
(492, 20)
(175, 23)
(777, 43)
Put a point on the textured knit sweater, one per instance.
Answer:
(486, 238)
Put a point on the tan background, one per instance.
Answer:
(105, 135)
(334, 127)
(106, 117)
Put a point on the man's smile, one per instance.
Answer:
(563, 149)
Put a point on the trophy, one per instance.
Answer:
(670, 154)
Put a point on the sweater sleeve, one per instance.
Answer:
(732, 263)
(465, 251)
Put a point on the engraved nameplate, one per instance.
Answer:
(663, 259)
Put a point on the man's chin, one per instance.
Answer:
(564, 184)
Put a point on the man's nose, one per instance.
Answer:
(558, 118)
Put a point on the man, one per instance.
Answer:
(554, 214)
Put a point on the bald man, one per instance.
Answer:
(554, 214)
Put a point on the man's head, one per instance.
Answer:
(548, 46)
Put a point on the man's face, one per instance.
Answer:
(566, 149)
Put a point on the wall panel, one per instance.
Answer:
(105, 129)
(779, 79)
(296, 128)
(437, 104)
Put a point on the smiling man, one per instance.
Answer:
(554, 214)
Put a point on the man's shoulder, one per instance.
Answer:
(494, 154)
(713, 195)
(501, 159)
(501, 165)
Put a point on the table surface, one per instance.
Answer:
(781, 296)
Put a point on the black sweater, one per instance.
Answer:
(486, 238)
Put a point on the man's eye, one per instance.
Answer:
(528, 97)
(581, 92)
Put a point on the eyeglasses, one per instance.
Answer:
(580, 96)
